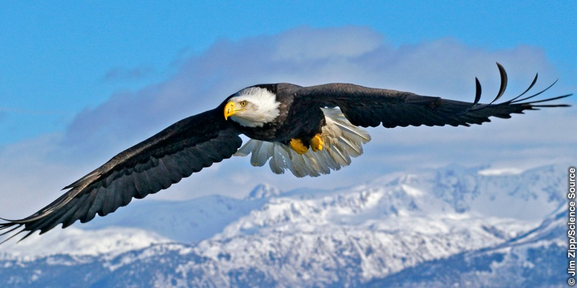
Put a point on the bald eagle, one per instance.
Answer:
(308, 131)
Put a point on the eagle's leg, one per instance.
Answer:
(317, 143)
(298, 146)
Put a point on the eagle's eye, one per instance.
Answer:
(243, 103)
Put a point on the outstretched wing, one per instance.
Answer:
(371, 107)
(154, 164)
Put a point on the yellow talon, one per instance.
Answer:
(298, 146)
(317, 143)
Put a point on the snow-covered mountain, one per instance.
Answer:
(537, 258)
(436, 228)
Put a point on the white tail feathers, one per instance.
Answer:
(342, 140)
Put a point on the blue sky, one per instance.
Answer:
(82, 80)
(55, 55)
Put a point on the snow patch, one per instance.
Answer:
(76, 242)
(500, 171)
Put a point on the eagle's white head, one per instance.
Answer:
(252, 107)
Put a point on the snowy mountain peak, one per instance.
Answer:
(263, 190)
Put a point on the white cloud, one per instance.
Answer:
(306, 56)
(303, 44)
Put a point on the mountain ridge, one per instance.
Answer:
(370, 234)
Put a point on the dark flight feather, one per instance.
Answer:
(370, 107)
(154, 164)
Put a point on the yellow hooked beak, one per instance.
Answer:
(229, 110)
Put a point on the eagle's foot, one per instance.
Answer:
(298, 146)
(317, 143)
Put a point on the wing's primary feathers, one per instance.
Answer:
(154, 164)
(372, 107)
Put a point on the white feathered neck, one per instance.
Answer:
(261, 107)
